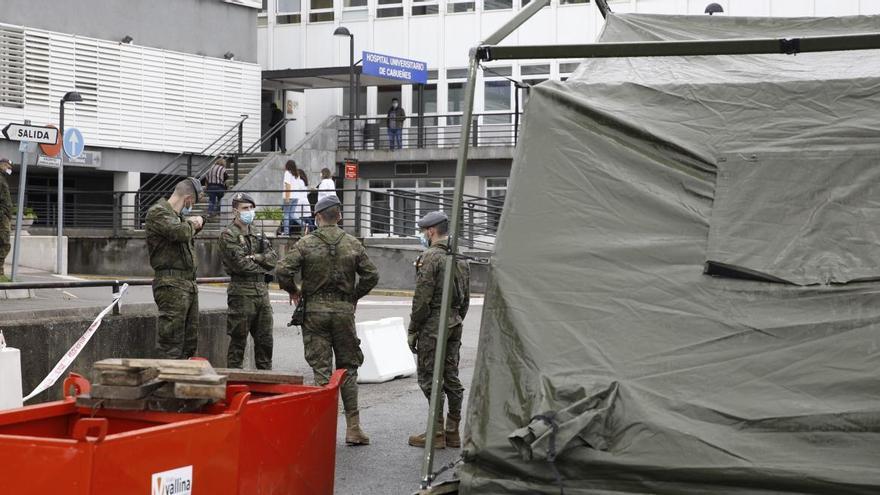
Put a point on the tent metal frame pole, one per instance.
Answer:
(454, 228)
(603, 8)
(789, 46)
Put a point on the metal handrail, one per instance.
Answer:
(203, 152)
(272, 130)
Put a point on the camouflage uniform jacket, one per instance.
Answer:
(248, 274)
(328, 259)
(429, 290)
(5, 199)
(170, 241)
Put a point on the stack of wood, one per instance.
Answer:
(154, 385)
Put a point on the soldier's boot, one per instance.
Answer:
(439, 437)
(353, 433)
(453, 439)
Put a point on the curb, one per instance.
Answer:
(392, 293)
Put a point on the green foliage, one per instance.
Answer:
(269, 214)
(28, 212)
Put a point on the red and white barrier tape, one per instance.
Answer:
(77, 347)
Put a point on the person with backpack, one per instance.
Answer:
(425, 322)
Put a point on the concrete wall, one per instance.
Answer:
(127, 257)
(206, 27)
(39, 252)
(44, 339)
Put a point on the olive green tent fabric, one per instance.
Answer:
(682, 298)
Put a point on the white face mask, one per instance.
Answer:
(423, 239)
(247, 217)
(8, 171)
(394, 105)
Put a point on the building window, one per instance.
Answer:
(361, 101)
(389, 8)
(532, 75)
(425, 7)
(396, 205)
(430, 92)
(572, 2)
(321, 11)
(458, 6)
(497, 93)
(353, 10)
(289, 12)
(263, 14)
(526, 2)
(497, 4)
(454, 102)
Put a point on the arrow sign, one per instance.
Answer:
(31, 133)
(73, 142)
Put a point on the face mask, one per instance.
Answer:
(394, 105)
(247, 217)
(423, 239)
(8, 171)
(186, 210)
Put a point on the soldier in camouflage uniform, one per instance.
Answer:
(170, 234)
(329, 259)
(5, 212)
(424, 324)
(248, 259)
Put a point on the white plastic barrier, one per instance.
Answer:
(386, 353)
(10, 378)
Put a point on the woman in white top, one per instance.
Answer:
(301, 193)
(327, 187)
(290, 213)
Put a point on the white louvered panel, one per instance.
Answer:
(37, 76)
(252, 77)
(213, 98)
(175, 102)
(194, 104)
(109, 94)
(61, 74)
(12, 67)
(86, 83)
(232, 94)
(132, 77)
(152, 125)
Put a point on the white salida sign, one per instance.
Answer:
(177, 481)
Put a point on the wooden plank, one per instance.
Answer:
(126, 378)
(123, 404)
(207, 379)
(124, 392)
(180, 366)
(259, 376)
(199, 391)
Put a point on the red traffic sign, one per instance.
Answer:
(351, 170)
(54, 148)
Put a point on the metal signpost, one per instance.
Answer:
(73, 144)
(29, 136)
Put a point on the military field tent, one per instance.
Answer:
(685, 293)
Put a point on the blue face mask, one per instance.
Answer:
(186, 210)
(247, 217)
(423, 239)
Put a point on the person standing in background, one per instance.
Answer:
(215, 181)
(396, 116)
(326, 187)
(277, 136)
(5, 213)
(301, 195)
(289, 209)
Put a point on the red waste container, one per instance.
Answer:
(58, 447)
(288, 438)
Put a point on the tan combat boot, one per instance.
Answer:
(453, 439)
(439, 437)
(353, 433)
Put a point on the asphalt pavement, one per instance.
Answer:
(390, 411)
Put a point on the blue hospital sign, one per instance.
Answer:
(390, 67)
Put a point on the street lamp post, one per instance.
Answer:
(71, 96)
(343, 31)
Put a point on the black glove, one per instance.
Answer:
(269, 278)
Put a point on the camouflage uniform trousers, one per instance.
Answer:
(326, 335)
(249, 314)
(178, 328)
(427, 346)
(5, 245)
